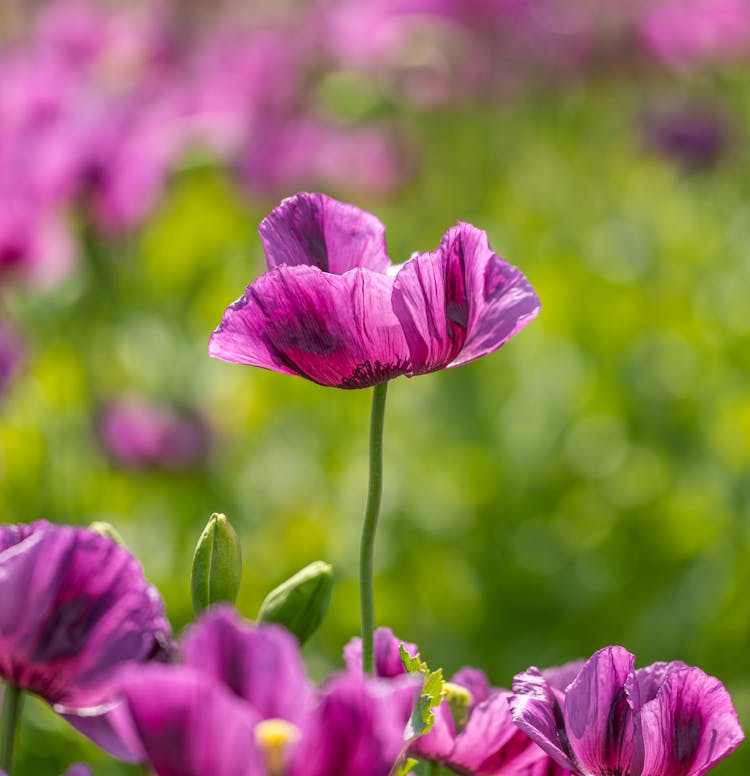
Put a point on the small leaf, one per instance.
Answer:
(403, 767)
(422, 718)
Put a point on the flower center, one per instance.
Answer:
(274, 737)
(459, 700)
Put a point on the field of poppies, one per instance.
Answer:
(531, 222)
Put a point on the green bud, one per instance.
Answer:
(105, 529)
(459, 700)
(217, 564)
(300, 603)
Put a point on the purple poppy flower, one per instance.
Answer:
(141, 435)
(473, 731)
(333, 309)
(242, 706)
(668, 719)
(74, 606)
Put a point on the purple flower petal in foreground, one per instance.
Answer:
(74, 606)
(482, 739)
(218, 715)
(668, 719)
(332, 309)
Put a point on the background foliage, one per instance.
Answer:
(586, 485)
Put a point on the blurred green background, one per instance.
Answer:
(586, 485)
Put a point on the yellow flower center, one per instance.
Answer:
(274, 737)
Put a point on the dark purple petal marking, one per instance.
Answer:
(536, 710)
(315, 230)
(261, 665)
(500, 299)
(190, 725)
(336, 330)
(689, 726)
(74, 606)
(598, 717)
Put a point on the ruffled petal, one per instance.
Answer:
(689, 726)
(336, 330)
(599, 718)
(491, 743)
(500, 299)
(74, 606)
(260, 664)
(460, 302)
(536, 710)
(643, 685)
(189, 724)
(429, 299)
(318, 231)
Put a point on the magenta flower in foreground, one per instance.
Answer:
(74, 606)
(332, 307)
(242, 705)
(473, 731)
(667, 719)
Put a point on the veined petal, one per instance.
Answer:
(500, 299)
(315, 230)
(689, 726)
(491, 743)
(189, 724)
(460, 302)
(535, 710)
(74, 606)
(259, 664)
(336, 330)
(643, 685)
(599, 718)
(429, 299)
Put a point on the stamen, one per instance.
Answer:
(274, 737)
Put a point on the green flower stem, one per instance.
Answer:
(367, 543)
(12, 697)
(434, 768)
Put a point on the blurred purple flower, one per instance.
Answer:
(12, 356)
(74, 607)
(484, 741)
(139, 434)
(333, 309)
(692, 137)
(696, 32)
(668, 718)
(242, 705)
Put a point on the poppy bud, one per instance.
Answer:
(217, 564)
(300, 603)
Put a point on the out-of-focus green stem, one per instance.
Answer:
(12, 697)
(367, 543)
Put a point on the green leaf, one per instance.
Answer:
(402, 768)
(422, 718)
